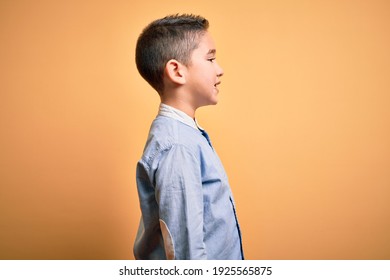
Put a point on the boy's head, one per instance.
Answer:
(172, 37)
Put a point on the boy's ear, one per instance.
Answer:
(175, 72)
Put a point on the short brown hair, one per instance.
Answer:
(171, 37)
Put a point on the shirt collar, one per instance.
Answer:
(168, 111)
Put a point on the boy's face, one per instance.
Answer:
(203, 73)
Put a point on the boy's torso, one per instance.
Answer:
(220, 234)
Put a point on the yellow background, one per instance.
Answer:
(302, 125)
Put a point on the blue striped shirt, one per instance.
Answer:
(188, 211)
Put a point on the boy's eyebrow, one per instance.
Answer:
(212, 51)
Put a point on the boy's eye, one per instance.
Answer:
(211, 59)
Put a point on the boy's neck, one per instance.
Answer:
(180, 105)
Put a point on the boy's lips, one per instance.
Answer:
(216, 86)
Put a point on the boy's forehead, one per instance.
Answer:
(206, 44)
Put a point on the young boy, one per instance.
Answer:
(187, 206)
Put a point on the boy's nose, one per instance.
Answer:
(219, 70)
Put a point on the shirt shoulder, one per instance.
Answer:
(166, 133)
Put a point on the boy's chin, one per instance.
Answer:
(209, 102)
(213, 102)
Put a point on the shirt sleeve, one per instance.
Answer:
(180, 198)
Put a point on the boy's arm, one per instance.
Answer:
(180, 198)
